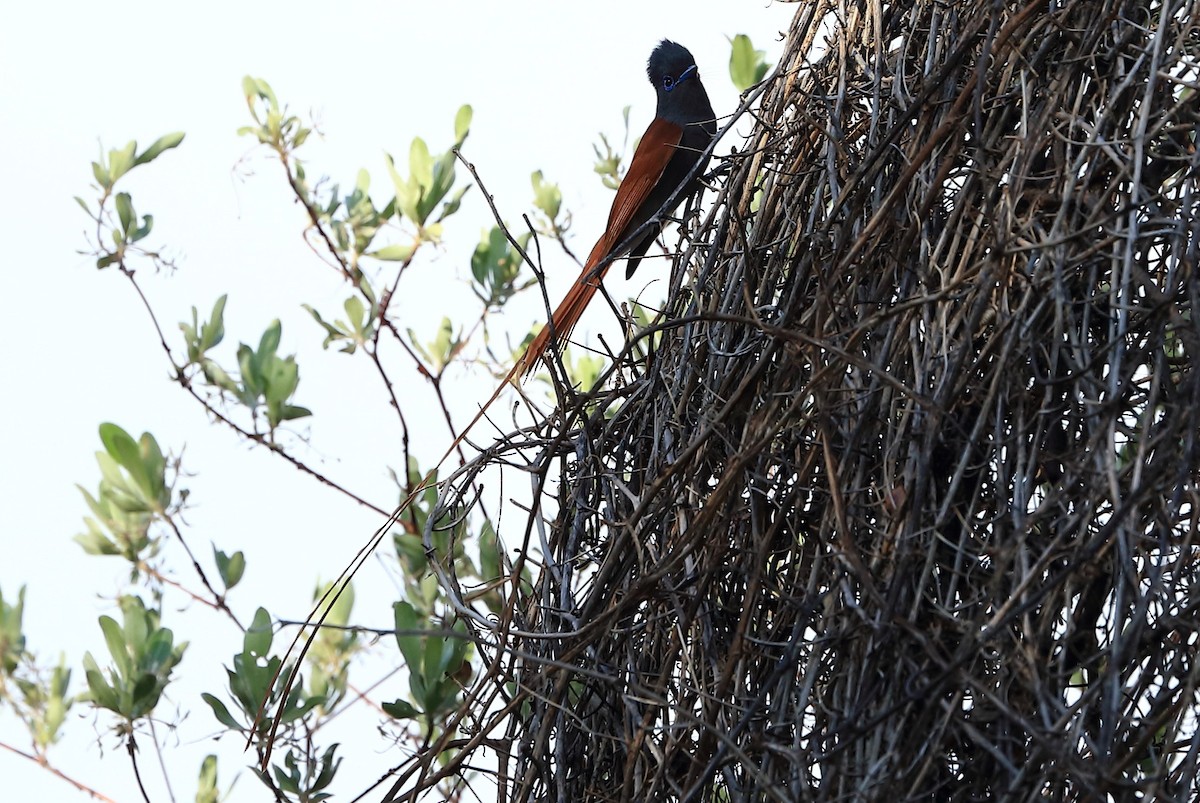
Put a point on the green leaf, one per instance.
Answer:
(439, 351)
(121, 447)
(356, 313)
(120, 160)
(489, 552)
(213, 332)
(258, 88)
(145, 656)
(221, 712)
(608, 161)
(48, 704)
(451, 206)
(328, 768)
(547, 198)
(410, 550)
(252, 382)
(206, 785)
(436, 658)
(117, 511)
(462, 124)
(747, 66)
(12, 638)
(333, 332)
(430, 180)
(265, 377)
(94, 543)
(230, 567)
(586, 370)
(102, 694)
(114, 637)
(495, 266)
(217, 375)
(125, 212)
(163, 143)
(393, 253)
(269, 343)
(155, 465)
(137, 627)
(400, 709)
(142, 231)
(110, 471)
(410, 645)
(408, 192)
(420, 163)
(257, 641)
(145, 464)
(290, 412)
(157, 653)
(100, 172)
(340, 607)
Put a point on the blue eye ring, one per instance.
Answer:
(670, 83)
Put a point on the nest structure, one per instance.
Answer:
(898, 500)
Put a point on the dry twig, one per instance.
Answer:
(903, 506)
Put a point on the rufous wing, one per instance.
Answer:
(655, 150)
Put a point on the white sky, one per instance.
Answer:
(544, 78)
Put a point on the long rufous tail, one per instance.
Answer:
(568, 313)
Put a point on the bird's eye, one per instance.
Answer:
(668, 82)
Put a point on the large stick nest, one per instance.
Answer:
(903, 503)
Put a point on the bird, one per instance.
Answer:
(673, 148)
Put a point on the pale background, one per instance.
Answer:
(544, 78)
